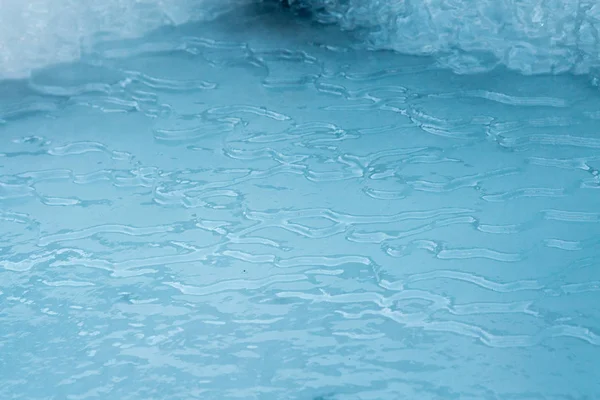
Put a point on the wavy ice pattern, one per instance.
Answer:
(529, 36)
(235, 214)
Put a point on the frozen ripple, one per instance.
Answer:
(233, 213)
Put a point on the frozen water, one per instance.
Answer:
(528, 36)
(38, 33)
(257, 207)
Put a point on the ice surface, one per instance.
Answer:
(468, 36)
(255, 209)
(529, 36)
(38, 33)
